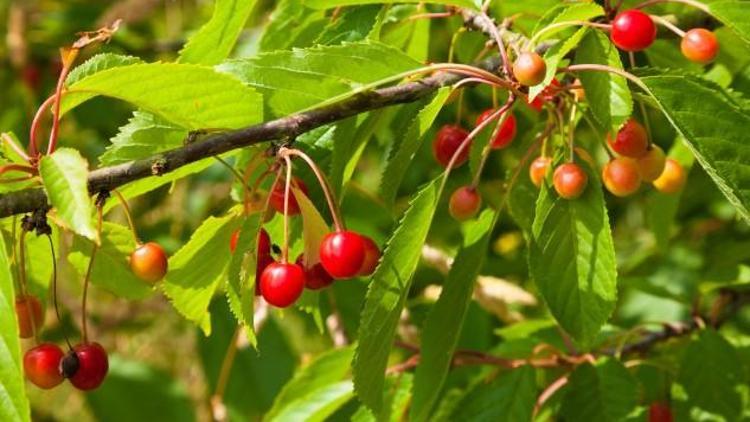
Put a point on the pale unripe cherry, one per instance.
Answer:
(570, 180)
(529, 69)
(538, 169)
(700, 46)
(621, 176)
(672, 179)
(464, 203)
(652, 164)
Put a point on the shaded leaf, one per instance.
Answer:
(329, 4)
(603, 392)
(215, 40)
(734, 15)
(510, 397)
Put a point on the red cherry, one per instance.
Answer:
(633, 30)
(372, 256)
(342, 254)
(149, 262)
(264, 242)
(548, 94)
(277, 196)
(659, 412)
(506, 133)
(464, 203)
(631, 140)
(570, 180)
(700, 46)
(282, 284)
(29, 314)
(42, 365)
(93, 365)
(538, 170)
(447, 141)
(672, 179)
(621, 176)
(530, 69)
(651, 165)
(316, 276)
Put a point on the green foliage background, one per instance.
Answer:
(638, 262)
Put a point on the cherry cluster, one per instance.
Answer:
(343, 254)
(634, 159)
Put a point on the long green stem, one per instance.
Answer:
(532, 42)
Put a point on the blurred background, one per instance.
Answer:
(163, 368)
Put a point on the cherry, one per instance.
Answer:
(538, 170)
(149, 262)
(659, 412)
(530, 69)
(86, 366)
(372, 256)
(621, 176)
(277, 196)
(464, 203)
(281, 284)
(264, 242)
(264, 260)
(316, 276)
(42, 365)
(633, 30)
(505, 134)
(570, 180)
(548, 94)
(672, 179)
(652, 164)
(631, 140)
(342, 254)
(447, 141)
(700, 46)
(29, 314)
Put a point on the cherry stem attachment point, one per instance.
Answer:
(338, 222)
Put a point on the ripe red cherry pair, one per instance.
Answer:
(86, 366)
(450, 137)
(343, 254)
(633, 30)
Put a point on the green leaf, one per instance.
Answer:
(387, 294)
(709, 373)
(734, 15)
(197, 269)
(396, 397)
(319, 405)
(445, 320)
(608, 94)
(215, 40)
(65, 178)
(510, 397)
(111, 268)
(400, 161)
(241, 275)
(97, 64)
(293, 80)
(143, 136)
(602, 392)
(572, 259)
(290, 24)
(15, 405)
(329, 4)
(582, 11)
(353, 24)
(715, 126)
(326, 370)
(135, 391)
(192, 96)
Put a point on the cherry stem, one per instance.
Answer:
(338, 222)
(241, 180)
(499, 41)
(17, 148)
(503, 114)
(454, 39)
(532, 41)
(35, 124)
(667, 24)
(128, 215)
(249, 169)
(287, 188)
(435, 15)
(604, 68)
(549, 392)
(94, 249)
(54, 288)
(67, 63)
(697, 5)
(571, 131)
(14, 258)
(642, 106)
(226, 364)
(22, 283)
(21, 168)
